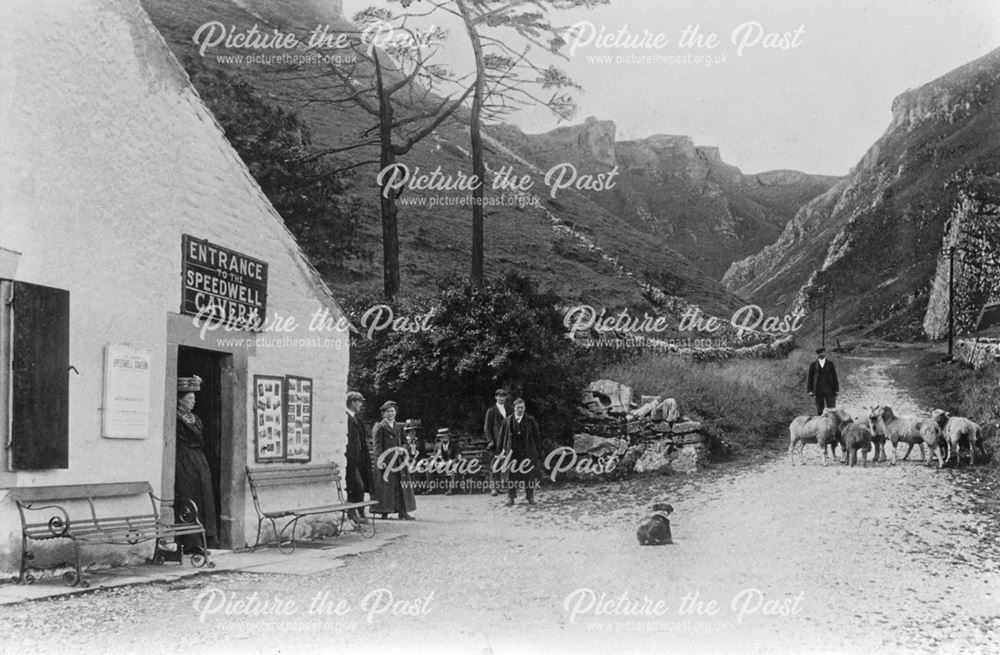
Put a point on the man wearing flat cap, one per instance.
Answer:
(495, 417)
(359, 463)
(822, 384)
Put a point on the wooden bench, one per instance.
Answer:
(321, 482)
(162, 520)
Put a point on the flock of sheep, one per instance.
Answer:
(940, 432)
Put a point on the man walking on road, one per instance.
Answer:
(822, 383)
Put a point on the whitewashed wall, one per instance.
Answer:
(107, 157)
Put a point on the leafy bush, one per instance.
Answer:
(502, 333)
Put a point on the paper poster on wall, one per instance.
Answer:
(298, 418)
(125, 412)
(268, 423)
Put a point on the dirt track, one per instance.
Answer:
(884, 558)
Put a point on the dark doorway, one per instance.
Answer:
(210, 366)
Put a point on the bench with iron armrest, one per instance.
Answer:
(321, 481)
(161, 521)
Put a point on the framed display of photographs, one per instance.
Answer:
(282, 418)
(268, 418)
(298, 418)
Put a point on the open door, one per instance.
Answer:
(211, 367)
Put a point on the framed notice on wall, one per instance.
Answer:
(298, 419)
(268, 415)
(125, 412)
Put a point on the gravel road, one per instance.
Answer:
(767, 558)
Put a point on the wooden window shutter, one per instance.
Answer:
(40, 378)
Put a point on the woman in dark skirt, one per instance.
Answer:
(393, 492)
(192, 477)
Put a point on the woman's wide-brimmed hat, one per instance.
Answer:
(185, 385)
(411, 424)
(387, 404)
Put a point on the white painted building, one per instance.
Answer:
(109, 163)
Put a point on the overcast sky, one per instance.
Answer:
(814, 107)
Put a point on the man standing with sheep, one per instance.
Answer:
(822, 384)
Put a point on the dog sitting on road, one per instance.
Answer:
(656, 531)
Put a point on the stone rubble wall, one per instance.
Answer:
(625, 436)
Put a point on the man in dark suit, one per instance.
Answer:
(359, 464)
(519, 439)
(495, 416)
(822, 384)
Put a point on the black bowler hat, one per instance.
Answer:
(502, 391)
(820, 351)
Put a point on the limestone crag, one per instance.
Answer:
(593, 142)
(973, 230)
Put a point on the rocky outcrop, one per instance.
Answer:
(593, 142)
(973, 232)
(670, 154)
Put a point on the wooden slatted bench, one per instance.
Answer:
(323, 494)
(42, 518)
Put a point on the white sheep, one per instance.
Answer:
(911, 429)
(954, 428)
(823, 430)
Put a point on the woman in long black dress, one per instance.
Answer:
(393, 491)
(192, 477)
